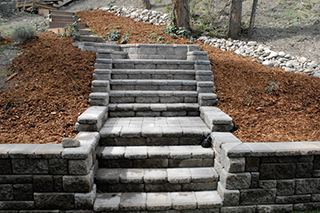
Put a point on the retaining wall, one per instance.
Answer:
(47, 176)
(267, 177)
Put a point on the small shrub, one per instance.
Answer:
(88, 9)
(113, 35)
(125, 38)
(160, 38)
(153, 35)
(23, 33)
(272, 87)
(72, 30)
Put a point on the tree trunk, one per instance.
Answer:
(181, 13)
(252, 18)
(235, 19)
(146, 4)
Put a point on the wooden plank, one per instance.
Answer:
(63, 24)
(57, 30)
(44, 12)
(44, 6)
(61, 18)
(61, 13)
(252, 18)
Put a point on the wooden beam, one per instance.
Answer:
(252, 18)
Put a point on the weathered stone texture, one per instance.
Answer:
(277, 171)
(54, 200)
(285, 187)
(255, 196)
(23, 192)
(43, 183)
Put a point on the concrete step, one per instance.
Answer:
(147, 84)
(153, 110)
(155, 157)
(153, 131)
(151, 64)
(141, 96)
(198, 201)
(156, 180)
(86, 32)
(166, 74)
(91, 38)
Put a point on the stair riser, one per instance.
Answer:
(150, 187)
(156, 163)
(152, 66)
(154, 76)
(154, 87)
(131, 113)
(151, 141)
(154, 99)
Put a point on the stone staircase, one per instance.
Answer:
(152, 114)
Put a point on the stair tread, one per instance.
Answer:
(152, 152)
(156, 175)
(157, 201)
(128, 93)
(154, 107)
(152, 82)
(154, 127)
(151, 71)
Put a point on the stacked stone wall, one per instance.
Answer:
(267, 177)
(48, 176)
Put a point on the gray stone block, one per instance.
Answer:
(179, 175)
(292, 199)
(30, 166)
(275, 208)
(85, 200)
(131, 176)
(162, 187)
(83, 183)
(23, 192)
(80, 167)
(199, 186)
(229, 197)
(158, 201)
(267, 184)
(48, 151)
(233, 181)
(238, 209)
(16, 205)
(254, 180)
(6, 192)
(6, 167)
(23, 151)
(4, 150)
(133, 201)
(255, 196)
(306, 206)
(183, 200)
(57, 183)
(252, 164)
(307, 186)
(58, 166)
(285, 187)
(43, 183)
(277, 171)
(234, 165)
(54, 200)
(107, 202)
(304, 170)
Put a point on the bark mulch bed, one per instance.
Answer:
(53, 84)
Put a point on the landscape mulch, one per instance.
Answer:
(54, 78)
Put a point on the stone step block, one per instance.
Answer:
(102, 74)
(100, 86)
(207, 99)
(111, 54)
(155, 157)
(153, 110)
(154, 64)
(86, 32)
(153, 131)
(197, 55)
(198, 201)
(216, 120)
(166, 74)
(99, 99)
(156, 180)
(205, 87)
(142, 96)
(92, 119)
(92, 38)
(151, 84)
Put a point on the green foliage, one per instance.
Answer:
(72, 30)
(160, 39)
(173, 31)
(23, 33)
(125, 38)
(153, 35)
(272, 87)
(88, 9)
(113, 35)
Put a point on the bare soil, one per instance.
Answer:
(53, 79)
